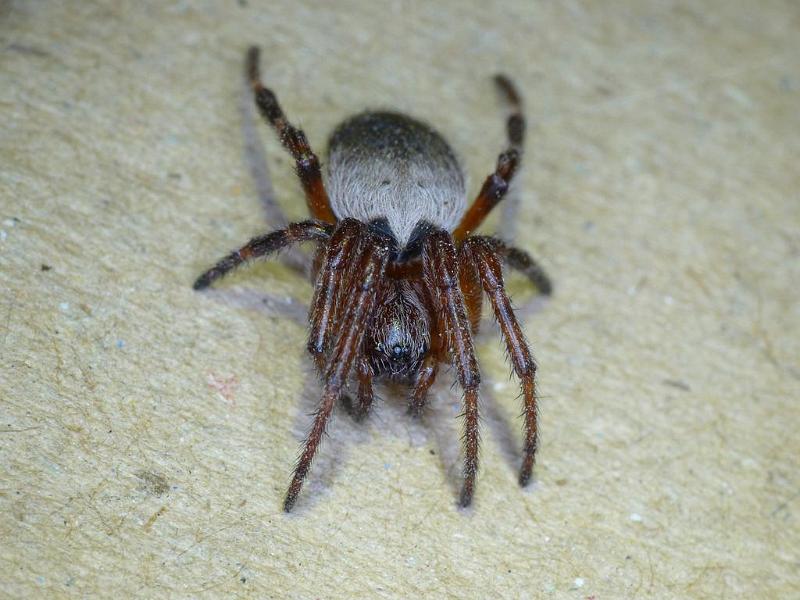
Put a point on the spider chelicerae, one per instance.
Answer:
(398, 276)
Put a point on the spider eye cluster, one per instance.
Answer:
(399, 352)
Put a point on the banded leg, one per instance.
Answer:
(482, 252)
(515, 129)
(496, 185)
(493, 190)
(294, 140)
(440, 266)
(515, 124)
(330, 280)
(357, 320)
(264, 245)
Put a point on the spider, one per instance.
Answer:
(398, 274)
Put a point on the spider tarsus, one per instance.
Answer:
(251, 64)
(288, 503)
(465, 499)
(202, 282)
(524, 478)
(507, 87)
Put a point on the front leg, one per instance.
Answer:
(440, 265)
(358, 316)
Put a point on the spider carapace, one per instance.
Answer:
(399, 276)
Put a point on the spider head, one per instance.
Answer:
(400, 335)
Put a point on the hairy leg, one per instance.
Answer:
(440, 267)
(361, 305)
(294, 140)
(482, 252)
(365, 392)
(341, 252)
(264, 245)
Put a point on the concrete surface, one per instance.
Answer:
(147, 432)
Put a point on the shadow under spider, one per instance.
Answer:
(389, 417)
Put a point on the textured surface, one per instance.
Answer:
(147, 431)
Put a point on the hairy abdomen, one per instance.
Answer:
(385, 165)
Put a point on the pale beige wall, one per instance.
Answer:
(147, 432)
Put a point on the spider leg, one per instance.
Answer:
(422, 383)
(493, 190)
(519, 259)
(515, 130)
(341, 251)
(482, 251)
(515, 125)
(294, 140)
(372, 266)
(365, 391)
(259, 171)
(470, 283)
(496, 185)
(366, 395)
(264, 245)
(440, 266)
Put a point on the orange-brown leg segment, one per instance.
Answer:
(496, 185)
(362, 299)
(264, 245)
(482, 252)
(294, 140)
(493, 190)
(440, 267)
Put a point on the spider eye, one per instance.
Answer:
(398, 351)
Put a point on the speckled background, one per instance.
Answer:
(147, 432)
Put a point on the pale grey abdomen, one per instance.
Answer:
(388, 165)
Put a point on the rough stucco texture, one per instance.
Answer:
(147, 431)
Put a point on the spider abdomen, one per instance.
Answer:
(385, 165)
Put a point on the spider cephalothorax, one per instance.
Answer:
(399, 277)
(400, 333)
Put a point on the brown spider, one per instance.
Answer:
(398, 275)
